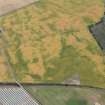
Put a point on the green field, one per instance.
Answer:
(49, 41)
(57, 95)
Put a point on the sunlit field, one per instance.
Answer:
(49, 41)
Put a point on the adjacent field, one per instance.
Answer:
(56, 95)
(49, 41)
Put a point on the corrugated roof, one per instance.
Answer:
(15, 96)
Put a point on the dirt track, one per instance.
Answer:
(11, 5)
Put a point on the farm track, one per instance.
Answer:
(13, 5)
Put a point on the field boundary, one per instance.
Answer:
(51, 85)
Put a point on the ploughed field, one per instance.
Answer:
(49, 42)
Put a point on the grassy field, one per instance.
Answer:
(5, 73)
(49, 41)
(56, 95)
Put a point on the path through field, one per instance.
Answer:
(7, 6)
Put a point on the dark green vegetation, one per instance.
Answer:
(75, 101)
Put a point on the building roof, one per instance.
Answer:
(15, 96)
(98, 32)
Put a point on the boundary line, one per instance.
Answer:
(50, 85)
